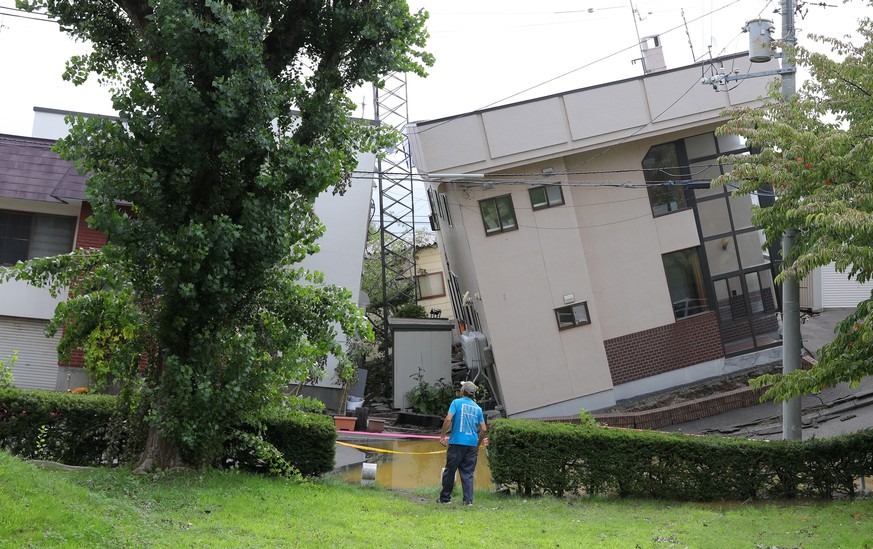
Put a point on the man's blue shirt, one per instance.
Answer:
(466, 417)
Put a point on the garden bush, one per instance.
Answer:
(86, 429)
(535, 457)
(69, 428)
(307, 440)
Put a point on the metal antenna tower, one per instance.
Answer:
(396, 206)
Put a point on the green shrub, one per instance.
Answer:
(410, 310)
(538, 457)
(83, 429)
(6, 378)
(432, 399)
(72, 429)
(303, 441)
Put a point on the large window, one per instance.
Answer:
(430, 285)
(546, 196)
(662, 171)
(498, 215)
(685, 280)
(26, 235)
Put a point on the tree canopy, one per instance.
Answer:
(814, 151)
(233, 117)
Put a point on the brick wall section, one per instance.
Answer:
(684, 412)
(86, 237)
(675, 414)
(659, 350)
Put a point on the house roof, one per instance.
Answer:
(583, 120)
(30, 170)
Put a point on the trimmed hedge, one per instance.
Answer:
(69, 428)
(77, 430)
(556, 458)
(307, 440)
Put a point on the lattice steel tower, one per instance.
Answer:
(395, 202)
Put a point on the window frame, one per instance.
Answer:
(34, 218)
(700, 284)
(570, 309)
(661, 186)
(441, 278)
(548, 203)
(496, 202)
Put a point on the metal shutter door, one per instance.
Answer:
(838, 291)
(37, 364)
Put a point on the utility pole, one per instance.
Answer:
(792, 427)
(760, 51)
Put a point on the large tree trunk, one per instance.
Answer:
(159, 453)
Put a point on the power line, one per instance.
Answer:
(17, 15)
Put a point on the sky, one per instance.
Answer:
(488, 52)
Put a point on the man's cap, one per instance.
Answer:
(469, 387)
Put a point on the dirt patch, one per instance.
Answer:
(693, 391)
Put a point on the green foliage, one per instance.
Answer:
(233, 117)
(69, 428)
(86, 430)
(6, 377)
(557, 458)
(411, 310)
(432, 399)
(586, 419)
(814, 151)
(286, 442)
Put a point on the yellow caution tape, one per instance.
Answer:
(371, 449)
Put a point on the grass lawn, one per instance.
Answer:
(113, 508)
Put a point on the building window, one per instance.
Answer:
(433, 218)
(685, 280)
(662, 171)
(429, 285)
(444, 208)
(573, 315)
(498, 215)
(546, 196)
(26, 236)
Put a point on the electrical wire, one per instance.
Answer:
(17, 15)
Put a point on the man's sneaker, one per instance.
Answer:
(444, 502)
(470, 503)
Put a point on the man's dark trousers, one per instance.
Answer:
(463, 459)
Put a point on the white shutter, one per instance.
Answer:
(837, 290)
(37, 364)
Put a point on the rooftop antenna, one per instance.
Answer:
(635, 13)
(688, 34)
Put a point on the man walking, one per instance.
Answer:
(467, 423)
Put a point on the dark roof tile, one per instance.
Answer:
(30, 170)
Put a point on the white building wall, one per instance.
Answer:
(838, 290)
(341, 249)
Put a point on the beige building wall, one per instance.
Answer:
(527, 274)
(622, 240)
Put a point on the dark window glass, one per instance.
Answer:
(25, 236)
(685, 280)
(498, 214)
(661, 168)
(546, 196)
(572, 315)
